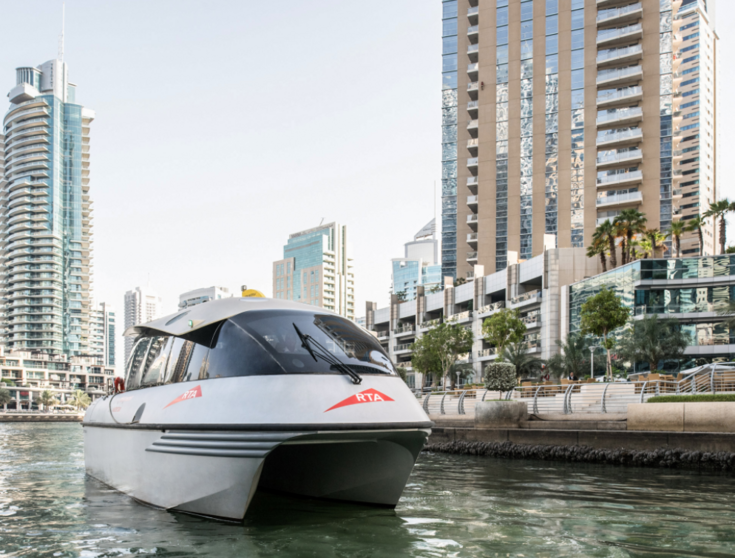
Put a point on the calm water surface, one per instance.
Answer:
(453, 506)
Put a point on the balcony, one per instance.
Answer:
(430, 323)
(473, 14)
(619, 178)
(472, 163)
(618, 117)
(491, 307)
(617, 56)
(472, 127)
(608, 138)
(610, 37)
(404, 329)
(611, 158)
(626, 14)
(472, 239)
(526, 298)
(473, 89)
(472, 107)
(403, 348)
(611, 97)
(472, 70)
(472, 182)
(628, 198)
(620, 76)
(473, 33)
(486, 354)
(472, 221)
(460, 317)
(472, 145)
(472, 202)
(472, 257)
(472, 52)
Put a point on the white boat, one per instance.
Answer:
(242, 394)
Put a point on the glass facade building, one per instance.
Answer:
(449, 138)
(692, 290)
(316, 269)
(46, 231)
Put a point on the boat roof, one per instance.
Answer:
(185, 322)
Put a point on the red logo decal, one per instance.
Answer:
(367, 396)
(191, 394)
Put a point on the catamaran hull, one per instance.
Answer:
(216, 473)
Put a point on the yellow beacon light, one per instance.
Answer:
(251, 292)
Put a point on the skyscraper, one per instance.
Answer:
(141, 305)
(317, 269)
(102, 331)
(419, 266)
(559, 114)
(46, 221)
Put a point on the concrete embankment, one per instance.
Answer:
(588, 441)
(40, 417)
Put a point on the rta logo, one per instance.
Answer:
(367, 396)
(191, 394)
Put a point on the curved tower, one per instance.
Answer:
(45, 215)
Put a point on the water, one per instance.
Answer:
(453, 506)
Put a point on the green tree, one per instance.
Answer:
(438, 349)
(629, 223)
(644, 249)
(47, 399)
(602, 314)
(502, 328)
(402, 296)
(402, 373)
(80, 400)
(730, 250)
(459, 281)
(719, 210)
(572, 358)
(517, 354)
(435, 289)
(653, 340)
(607, 232)
(8, 382)
(696, 224)
(5, 397)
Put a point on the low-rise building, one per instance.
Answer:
(26, 375)
(199, 296)
(533, 287)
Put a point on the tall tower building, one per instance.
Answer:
(317, 269)
(419, 266)
(45, 215)
(141, 305)
(559, 114)
(102, 330)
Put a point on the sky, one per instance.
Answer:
(223, 126)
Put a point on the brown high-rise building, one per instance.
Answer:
(559, 114)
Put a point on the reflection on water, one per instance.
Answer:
(453, 506)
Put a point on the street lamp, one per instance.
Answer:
(592, 360)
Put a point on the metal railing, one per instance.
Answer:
(586, 397)
(430, 323)
(525, 296)
(491, 307)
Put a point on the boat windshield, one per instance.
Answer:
(258, 343)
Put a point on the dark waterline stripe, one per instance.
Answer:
(314, 427)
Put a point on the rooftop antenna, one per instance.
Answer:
(61, 38)
(320, 222)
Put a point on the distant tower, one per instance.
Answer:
(141, 305)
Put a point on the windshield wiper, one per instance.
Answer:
(326, 356)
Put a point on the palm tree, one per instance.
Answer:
(629, 223)
(573, 356)
(5, 397)
(80, 400)
(652, 340)
(47, 399)
(646, 248)
(696, 224)
(517, 355)
(598, 248)
(656, 238)
(719, 210)
(606, 231)
(677, 229)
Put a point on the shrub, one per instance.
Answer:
(698, 398)
(500, 376)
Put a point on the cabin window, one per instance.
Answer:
(158, 353)
(173, 366)
(136, 360)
